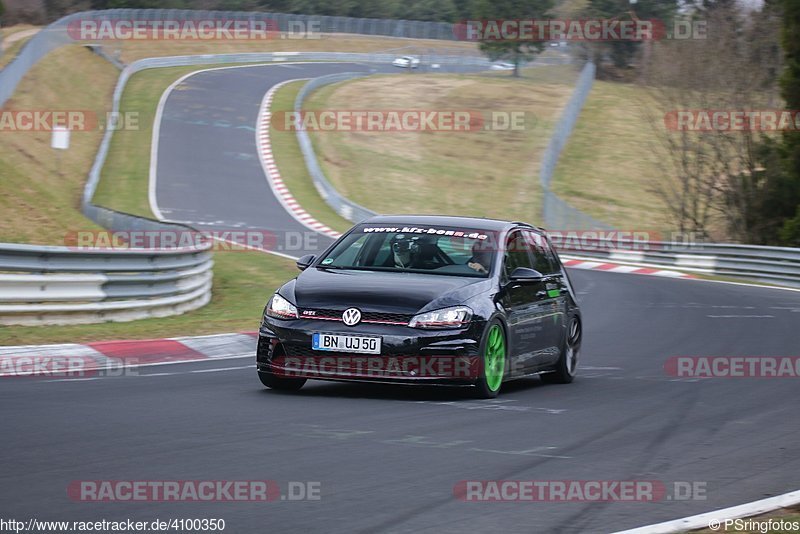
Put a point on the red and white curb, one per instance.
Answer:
(579, 263)
(280, 190)
(74, 358)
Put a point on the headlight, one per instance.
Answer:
(281, 308)
(454, 317)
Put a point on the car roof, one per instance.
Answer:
(476, 223)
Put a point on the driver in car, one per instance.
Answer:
(404, 250)
(481, 257)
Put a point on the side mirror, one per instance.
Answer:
(525, 274)
(305, 261)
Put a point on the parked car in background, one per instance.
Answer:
(406, 62)
(502, 65)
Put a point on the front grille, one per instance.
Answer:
(366, 317)
(379, 317)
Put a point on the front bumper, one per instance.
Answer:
(408, 355)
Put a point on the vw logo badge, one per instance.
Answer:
(351, 316)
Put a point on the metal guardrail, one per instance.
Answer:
(556, 212)
(63, 285)
(775, 265)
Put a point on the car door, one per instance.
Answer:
(526, 307)
(552, 295)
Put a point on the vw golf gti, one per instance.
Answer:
(425, 300)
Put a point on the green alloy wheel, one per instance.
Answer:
(494, 362)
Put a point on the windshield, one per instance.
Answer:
(435, 250)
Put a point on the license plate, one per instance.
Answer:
(346, 343)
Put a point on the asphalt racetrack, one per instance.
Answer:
(208, 169)
(387, 459)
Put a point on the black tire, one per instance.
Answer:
(567, 365)
(281, 384)
(488, 385)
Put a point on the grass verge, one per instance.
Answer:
(481, 173)
(12, 43)
(131, 50)
(610, 162)
(41, 188)
(242, 283)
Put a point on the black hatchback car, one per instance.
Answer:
(426, 300)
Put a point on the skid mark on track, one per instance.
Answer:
(493, 404)
(740, 316)
(419, 441)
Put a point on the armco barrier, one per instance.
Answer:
(557, 213)
(61, 285)
(774, 265)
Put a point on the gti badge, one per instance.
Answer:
(351, 316)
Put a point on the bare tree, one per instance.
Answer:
(734, 68)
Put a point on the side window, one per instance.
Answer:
(382, 258)
(551, 253)
(544, 260)
(517, 253)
